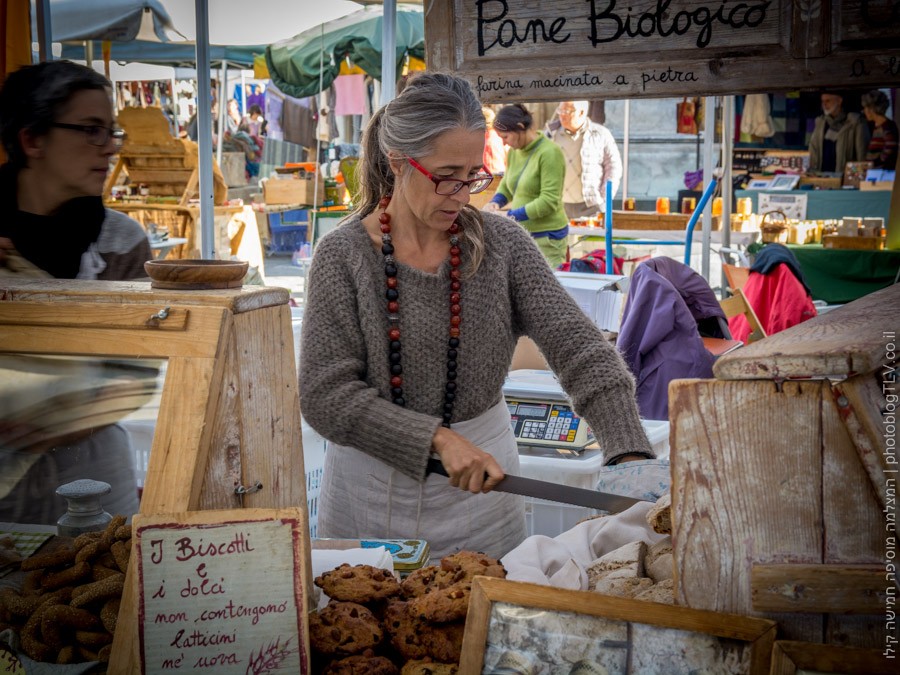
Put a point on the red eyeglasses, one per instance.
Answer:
(450, 186)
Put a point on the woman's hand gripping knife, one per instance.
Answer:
(468, 466)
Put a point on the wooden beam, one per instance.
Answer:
(830, 589)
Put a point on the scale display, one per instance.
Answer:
(547, 423)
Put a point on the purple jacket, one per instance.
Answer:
(658, 337)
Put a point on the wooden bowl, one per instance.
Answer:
(192, 275)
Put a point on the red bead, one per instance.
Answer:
(393, 306)
(455, 309)
(454, 298)
(455, 285)
(384, 201)
(454, 274)
(392, 282)
(396, 381)
(394, 333)
(454, 332)
(454, 260)
(384, 218)
(386, 228)
(454, 228)
(455, 320)
(454, 250)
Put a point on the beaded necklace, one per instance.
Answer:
(393, 307)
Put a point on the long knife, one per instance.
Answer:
(554, 492)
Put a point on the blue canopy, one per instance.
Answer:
(175, 54)
(114, 20)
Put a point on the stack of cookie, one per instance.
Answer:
(374, 624)
(68, 606)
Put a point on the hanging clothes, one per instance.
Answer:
(350, 95)
(756, 119)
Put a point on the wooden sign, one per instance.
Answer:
(528, 50)
(222, 592)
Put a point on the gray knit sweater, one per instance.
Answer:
(344, 370)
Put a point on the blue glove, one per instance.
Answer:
(518, 214)
(499, 200)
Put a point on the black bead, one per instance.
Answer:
(394, 357)
(387, 249)
(446, 425)
(448, 417)
(451, 374)
(453, 342)
(449, 397)
(399, 400)
(451, 353)
(396, 369)
(391, 294)
(451, 365)
(451, 386)
(390, 270)
(395, 345)
(396, 391)
(448, 408)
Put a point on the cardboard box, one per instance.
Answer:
(294, 190)
(822, 182)
(857, 243)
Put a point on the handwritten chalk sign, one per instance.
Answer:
(222, 592)
(584, 49)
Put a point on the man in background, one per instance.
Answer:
(592, 158)
(838, 137)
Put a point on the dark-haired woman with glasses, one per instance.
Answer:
(56, 122)
(414, 307)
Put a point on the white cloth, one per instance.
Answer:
(364, 498)
(756, 119)
(562, 561)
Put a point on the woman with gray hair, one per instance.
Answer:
(882, 150)
(414, 308)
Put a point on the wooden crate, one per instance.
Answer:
(779, 484)
(854, 243)
(229, 412)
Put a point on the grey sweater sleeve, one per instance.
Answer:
(590, 369)
(335, 397)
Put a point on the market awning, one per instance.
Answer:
(175, 54)
(113, 20)
(295, 64)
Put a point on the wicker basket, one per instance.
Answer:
(774, 227)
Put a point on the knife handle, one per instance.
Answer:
(434, 466)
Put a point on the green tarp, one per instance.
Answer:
(294, 64)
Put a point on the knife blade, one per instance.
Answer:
(554, 492)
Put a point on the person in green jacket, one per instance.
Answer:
(531, 189)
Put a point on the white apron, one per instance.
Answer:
(363, 498)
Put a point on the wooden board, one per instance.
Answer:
(131, 293)
(845, 341)
(850, 589)
(744, 455)
(600, 49)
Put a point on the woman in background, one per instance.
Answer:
(531, 189)
(882, 149)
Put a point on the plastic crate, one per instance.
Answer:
(287, 230)
(314, 447)
(553, 518)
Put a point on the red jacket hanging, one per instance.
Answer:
(779, 300)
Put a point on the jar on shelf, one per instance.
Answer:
(85, 510)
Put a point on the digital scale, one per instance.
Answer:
(541, 415)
